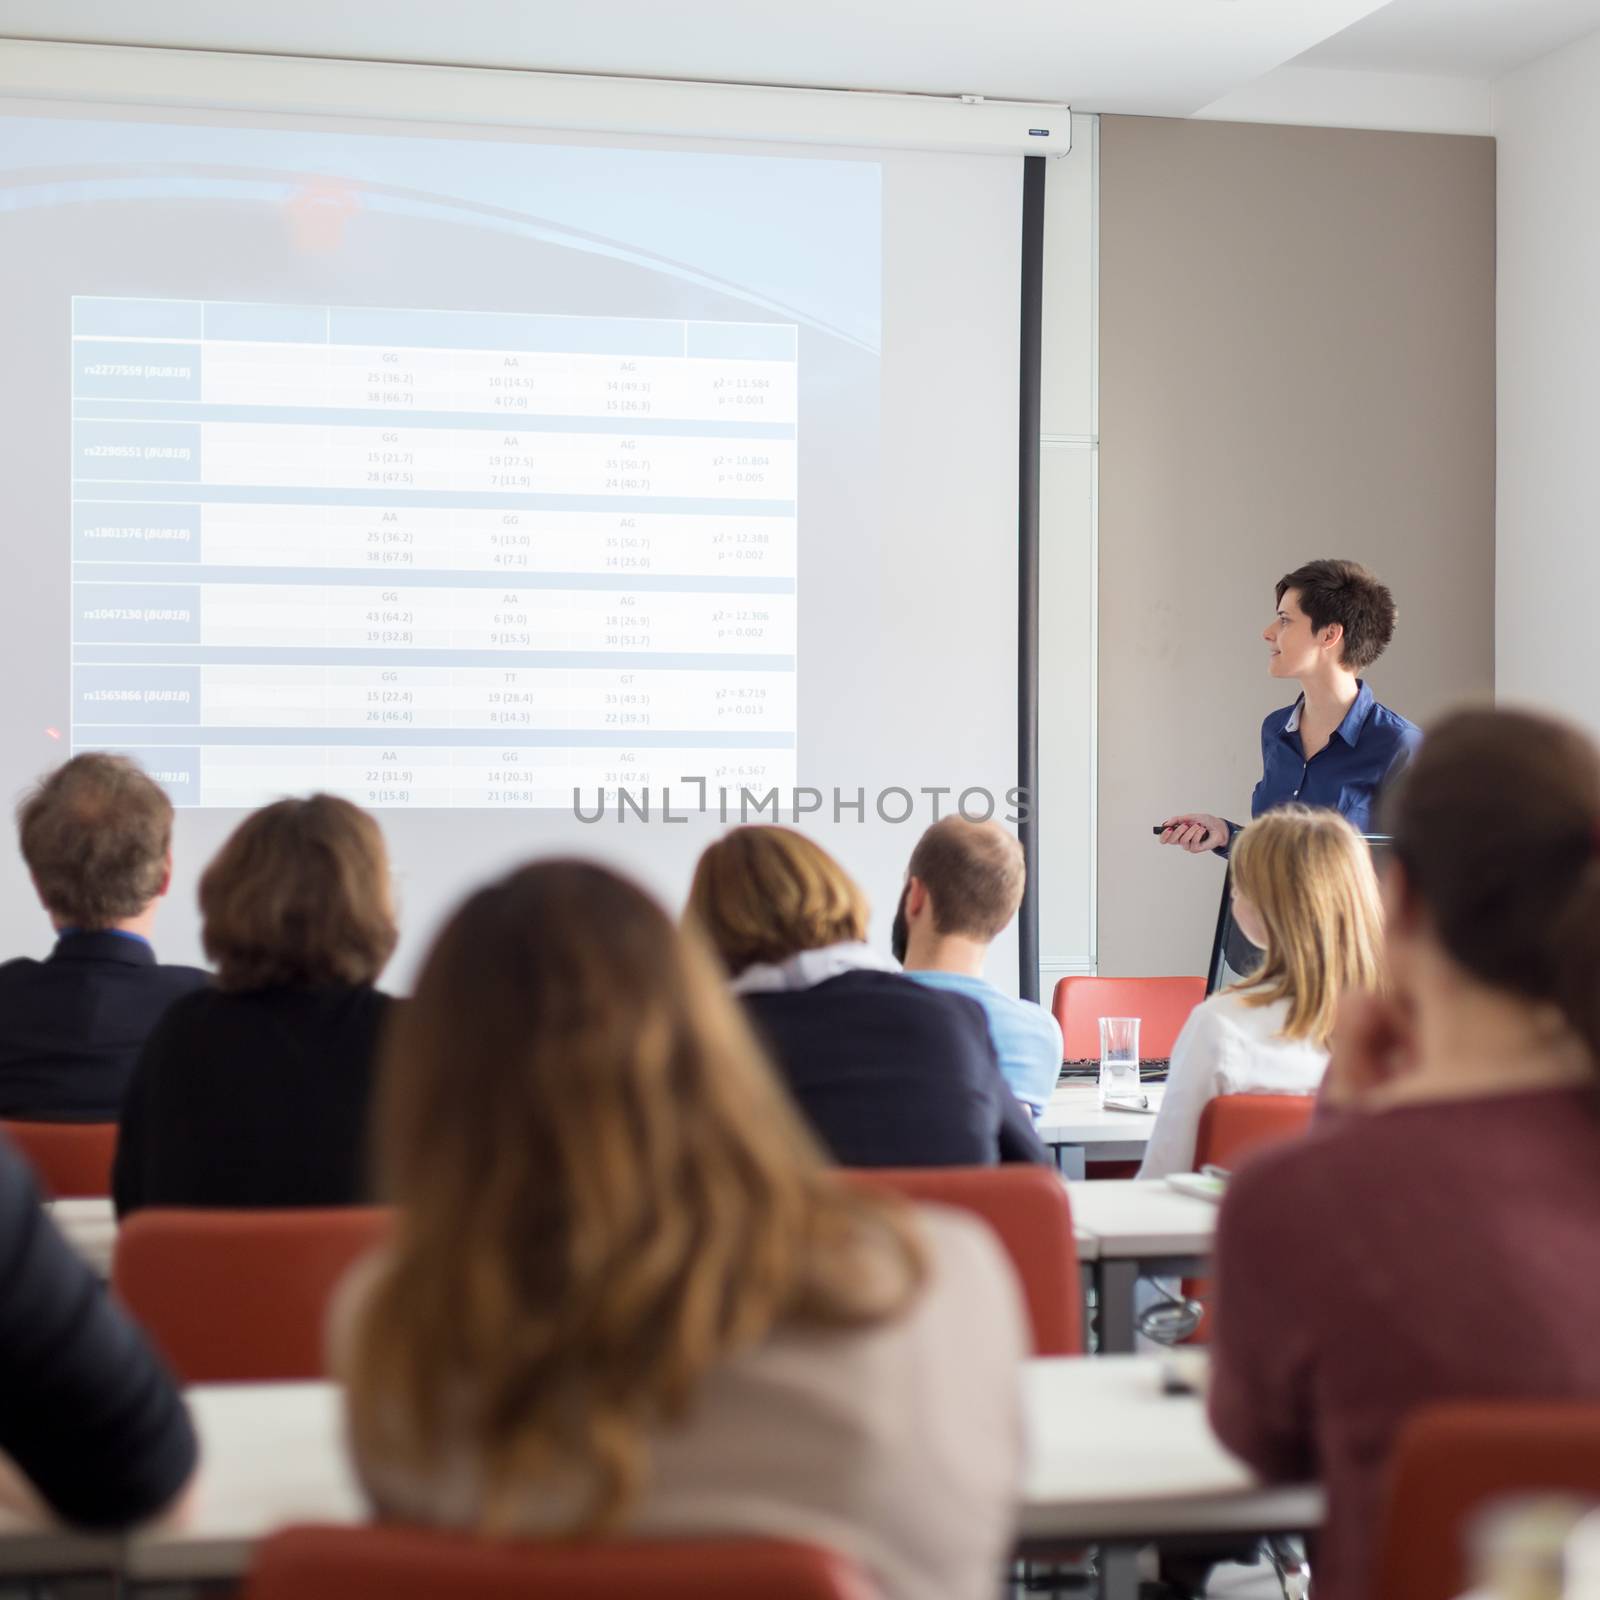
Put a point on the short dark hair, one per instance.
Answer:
(974, 873)
(299, 894)
(1347, 593)
(95, 835)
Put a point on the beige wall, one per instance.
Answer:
(1296, 360)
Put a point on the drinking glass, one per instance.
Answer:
(1119, 1058)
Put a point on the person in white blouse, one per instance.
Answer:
(1304, 892)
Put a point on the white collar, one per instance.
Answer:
(1293, 724)
(807, 968)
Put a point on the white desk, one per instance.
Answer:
(1138, 1229)
(1075, 1123)
(1110, 1457)
(1121, 1227)
(1111, 1460)
(1115, 1462)
(270, 1454)
(90, 1227)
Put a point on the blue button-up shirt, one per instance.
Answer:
(1367, 748)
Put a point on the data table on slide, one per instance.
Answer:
(432, 558)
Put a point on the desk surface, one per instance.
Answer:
(1075, 1116)
(90, 1227)
(270, 1453)
(1110, 1456)
(1141, 1221)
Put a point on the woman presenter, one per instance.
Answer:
(1336, 745)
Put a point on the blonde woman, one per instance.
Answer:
(625, 1294)
(1304, 893)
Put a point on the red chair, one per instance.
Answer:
(1451, 1460)
(1162, 1006)
(1028, 1210)
(72, 1160)
(1233, 1126)
(387, 1563)
(240, 1295)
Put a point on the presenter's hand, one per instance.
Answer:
(1195, 831)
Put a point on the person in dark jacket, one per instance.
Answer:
(96, 835)
(255, 1093)
(890, 1074)
(87, 1411)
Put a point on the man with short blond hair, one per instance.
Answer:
(963, 887)
(96, 835)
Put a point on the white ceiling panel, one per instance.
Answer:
(1456, 38)
(1158, 57)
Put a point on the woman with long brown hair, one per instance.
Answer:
(1435, 1240)
(1305, 894)
(625, 1292)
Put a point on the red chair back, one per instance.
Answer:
(1451, 1460)
(1028, 1210)
(1162, 1006)
(1233, 1126)
(72, 1160)
(380, 1563)
(240, 1296)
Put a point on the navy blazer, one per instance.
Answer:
(893, 1074)
(72, 1025)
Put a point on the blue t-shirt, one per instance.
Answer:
(1025, 1036)
(1367, 748)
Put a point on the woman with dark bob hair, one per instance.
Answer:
(255, 1092)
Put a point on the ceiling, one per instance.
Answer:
(1156, 57)
(1456, 38)
(1165, 57)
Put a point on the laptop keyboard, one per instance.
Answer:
(1152, 1069)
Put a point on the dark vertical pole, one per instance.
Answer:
(1033, 171)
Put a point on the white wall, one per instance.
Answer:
(1547, 122)
(1296, 360)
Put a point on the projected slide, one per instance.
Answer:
(432, 558)
(435, 468)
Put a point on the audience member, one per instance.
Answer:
(625, 1293)
(256, 1092)
(87, 1413)
(890, 1073)
(1304, 893)
(963, 887)
(96, 835)
(1428, 1243)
